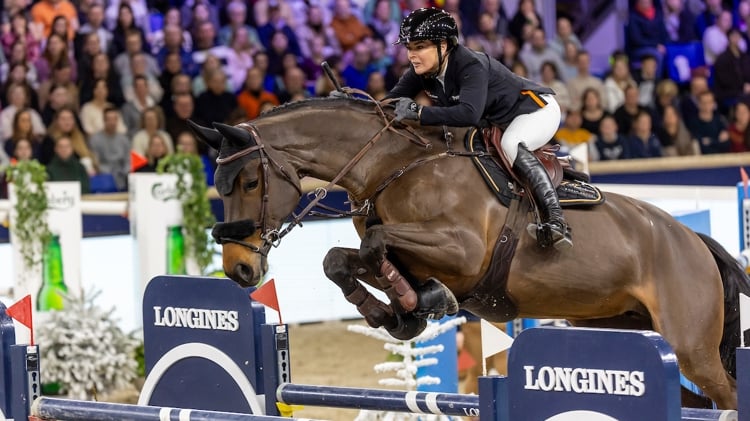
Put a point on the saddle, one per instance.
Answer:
(573, 187)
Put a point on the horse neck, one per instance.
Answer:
(320, 143)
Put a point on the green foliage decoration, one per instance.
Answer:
(30, 226)
(196, 208)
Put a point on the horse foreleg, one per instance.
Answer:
(345, 268)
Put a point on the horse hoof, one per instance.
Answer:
(408, 327)
(435, 301)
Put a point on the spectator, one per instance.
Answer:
(19, 101)
(716, 39)
(237, 15)
(348, 28)
(183, 107)
(194, 12)
(382, 23)
(565, 35)
(210, 65)
(277, 22)
(358, 71)
(65, 166)
(101, 68)
(739, 129)
(690, 101)
(112, 148)
(23, 129)
(571, 134)
(125, 25)
(60, 77)
(139, 67)
(86, 52)
(315, 30)
(18, 76)
(524, 22)
(592, 111)
(216, 104)
(584, 80)
(629, 110)
(156, 151)
(94, 25)
(60, 27)
(239, 59)
(674, 136)
(666, 95)
(370, 11)
(511, 52)
(536, 52)
(59, 98)
(495, 10)
(294, 86)
(708, 17)
(376, 86)
(152, 123)
(253, 95)
(486, 38)
(23, 150)
(56, 53)
(181, 84)
(137, 11)
(279, 49)
(679, 22)
(172, 68)
(569, 61)
(617, 82)
(395, 70)
(133, 47)
(731, 73)
(20, 31)
(65, 125)
(172, 19)
(44, 12)
(92, 113)
(173, 43)
(646, 78)
(743, 17)
(18, 57)
(133, 108)
(646, 33)
(551, 79)
(186, 143)
(643, 143)
(609, 145)
(709, 128)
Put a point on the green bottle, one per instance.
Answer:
(51, 294)
(175, 251)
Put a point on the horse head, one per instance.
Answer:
(258, 193)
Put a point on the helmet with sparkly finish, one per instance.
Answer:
(428, 24)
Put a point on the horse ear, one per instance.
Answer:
(237, 136)
(208, 136)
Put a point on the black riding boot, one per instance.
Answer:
(553, 229)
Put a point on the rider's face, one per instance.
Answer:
(423, 56)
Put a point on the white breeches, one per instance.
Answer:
(534, 129)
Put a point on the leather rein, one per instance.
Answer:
(271, 236)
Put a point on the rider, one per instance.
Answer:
(468, 86)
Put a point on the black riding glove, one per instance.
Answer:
(406, 108)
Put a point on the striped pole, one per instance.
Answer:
(694, 414)
(45, 408)
(379, 399)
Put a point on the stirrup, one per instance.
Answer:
(554, 234)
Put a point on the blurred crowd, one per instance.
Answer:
(85, 82)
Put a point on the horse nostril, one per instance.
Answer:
(244, 273)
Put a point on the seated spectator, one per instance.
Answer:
(349, 30)
(133, 47)
(674, 136)
(20, 30)
(172, 68)
(18, 102)
(646, 34)
(237, 16)
(570, 61)
(486, 38)
(17, 76)
(60, 77)
(92, 112)
(278, 49)
(565, 35)
(690, 100)
(157, 150)
(60, 27)
(731, 73)
(617, 82)
(44, 12)
(56, 53)
(216, 104)
(592, 112)
(112, 148)
(124, 26)
(584, 80)
(536, 52)
(101, 68)
(609, 145)
(316, 28)
(642, 142)
(152, 123)
(212, 64)
(551, 79)
(137, 12)
(173, 20)
(195, 12)
(679, 22)
(376, 86)
(16, 59)
(65, 125)
(181, 84)
(94, 26)
(709, 128)
(294, 86)
(666, 95)
(524, 22)
(239, 58)
(23, 129)
(716, 39)
(382, 23)
(59, 97)
(708, 16)
(186, 143)
(182, 109)
(571, 134)
(277, 22)
(739, 129)
(173, 44)
(629, 110)
(138, 67)
(65, 166)
(358, 71)
(646, 78)
(253, 94)
(132, 110)
(88, 49)
(23, 150)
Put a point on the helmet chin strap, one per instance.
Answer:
(440, 60)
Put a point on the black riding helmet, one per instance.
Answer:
(429, 24)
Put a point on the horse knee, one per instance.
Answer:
(372, 248)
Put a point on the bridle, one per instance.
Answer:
(271, 236)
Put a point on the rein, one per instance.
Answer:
(272, 237)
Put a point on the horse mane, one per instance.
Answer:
(364, 105)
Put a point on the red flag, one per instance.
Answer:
(137, 161)
(266, 295)
(745, 179)
(465, 360)
(21, 311)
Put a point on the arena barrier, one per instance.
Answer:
(208, 348)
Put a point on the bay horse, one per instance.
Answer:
(421, 205)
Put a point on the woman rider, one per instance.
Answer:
(468, 86)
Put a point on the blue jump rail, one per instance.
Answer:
(422, 402)
(70, 410)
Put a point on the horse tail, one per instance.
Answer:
(735, 281)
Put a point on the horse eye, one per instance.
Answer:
(250, 185)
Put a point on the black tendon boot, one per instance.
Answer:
(553, 229)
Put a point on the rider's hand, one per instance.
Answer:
(407, 109)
